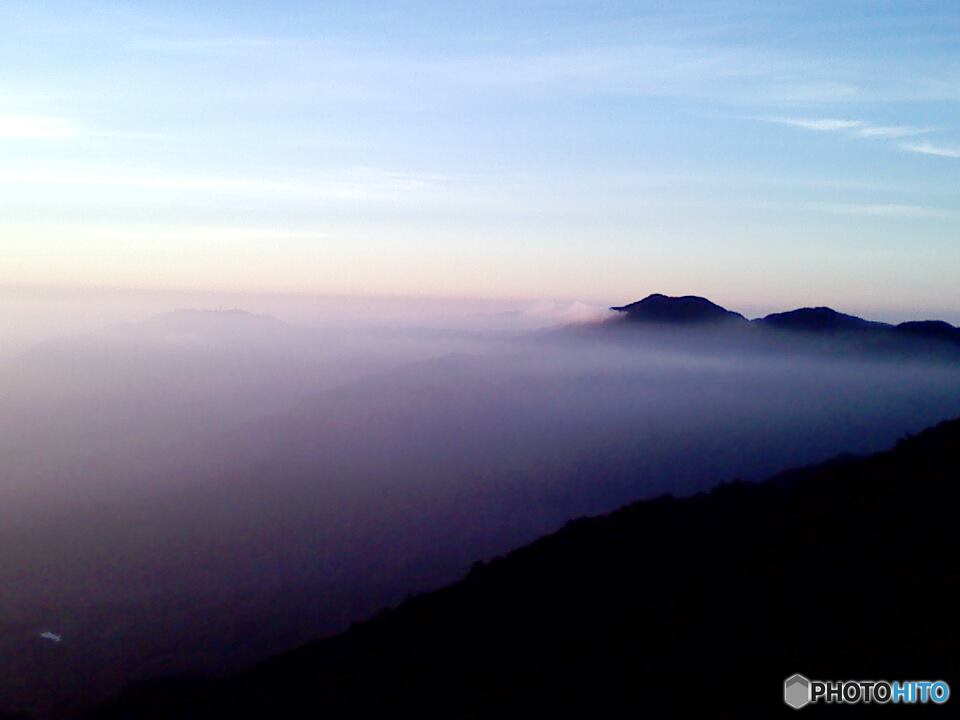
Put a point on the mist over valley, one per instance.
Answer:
(202, 488)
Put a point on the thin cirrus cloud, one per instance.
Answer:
(817, 124)
(927, 148)
(31, 127)
(884, 210)
(855, 127)
(891, 131)
(39, 127)
(347, 185)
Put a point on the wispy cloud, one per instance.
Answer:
(891, 131)
(39, 127)
(817, 124)
(854, 127)
(171, 233)
(208, 45)
(347, 185)
(29, 127)
(926, 148)
(883, 210)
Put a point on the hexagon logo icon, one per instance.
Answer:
(796, 691)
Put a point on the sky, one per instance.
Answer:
(762, 154)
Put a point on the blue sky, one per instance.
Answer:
(761, 155)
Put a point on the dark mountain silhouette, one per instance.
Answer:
(818, 329)
(688, 309)
(930, 329)
(693, 607)
(818, 319)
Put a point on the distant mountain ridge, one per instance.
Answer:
(208, 322)
(688, 311)
(818, 319)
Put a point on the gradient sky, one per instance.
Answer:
(758, 154)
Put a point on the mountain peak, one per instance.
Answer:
(817, 319)
(686, 309)
(929, 328)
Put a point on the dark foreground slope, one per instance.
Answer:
(696, 607)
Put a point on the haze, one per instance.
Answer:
(200, 488)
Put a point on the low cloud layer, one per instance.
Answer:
(174, 484)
